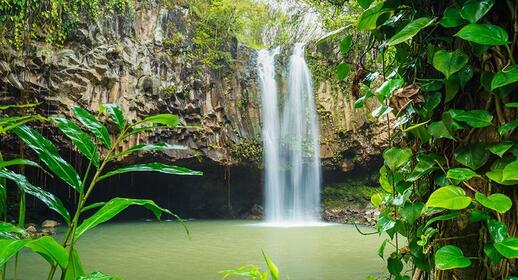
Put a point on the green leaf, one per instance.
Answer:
(388, 87)
(508, 127)
(461, 174)
(376, 199)
(385, 180)
(9, 248)
(343, 70)
(114, 207)
(492, 253)
(49, 249)
(452, 18)
(510, 172)
(168, 120)
(439, 130)
(381, 111)
(501, 148)
(274, 271)
(474, 118)
(497, 175)
(424, 166)
(497, 230)
(394, 265)
(331, 34)
(501, 203)
(477, 216)
(396, 157)
(150, 147)
(346, 43)
(411, 211)
(10, 123)
(450, 257)
(451, 87)
(370, 18)
(153, 166)
(473, 156)
(116, 114)
(484, 34)
(449, 63)
(384, 224)
(506, 76)
(80, 139)
(381, 249)
(18, 161)
(7, 227)
(474, 10)
(445, 217)
(410, 30)
(95, 126)
(365, 4)
(449, 197)
(74, 268)
(511, 105)
(48, 153)
(508, 247)
(49, 199)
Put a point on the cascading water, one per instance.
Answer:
(291, 149)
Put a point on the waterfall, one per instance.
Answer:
(291, 149)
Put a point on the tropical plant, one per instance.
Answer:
(100, 150)
(446, 86)
(253, 272)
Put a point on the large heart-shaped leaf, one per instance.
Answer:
(452, 18)
(508, 247)
(115, 113)
(49, 199)
(474, 118)
(394, 265)
(154, 166)
(396, 157)
(425, 165)
(497, 201)
(510, 172)
(497, 176)
(484, 34)
(48, 153)
(449, 63)
(410, 30)
(95, 126)
(461, 174)
(450, 257)
(473, 10)
(80, 139)
(504, 77)
(449, 197)
(473, 156)
(411, 211)
(369, 19)
(112, 208)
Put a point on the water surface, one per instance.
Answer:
(161, 250)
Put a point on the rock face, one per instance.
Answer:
(143, 61)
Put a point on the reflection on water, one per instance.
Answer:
(161, 250)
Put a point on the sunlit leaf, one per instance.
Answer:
(9, 248)
(396, 157)
(501, 148)
(473, 10)
(497, 201)
(450, 257)
(508, 247)
(484, 34)
(510, 172)
(410, 30)
(449, 197)
(461, 174)
(274, 271)
(49, 249)
(168, 120)
(150, 147)
(369, 19)
(154, 166)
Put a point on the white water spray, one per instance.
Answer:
(291, 149)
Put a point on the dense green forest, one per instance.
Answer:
(415, 101)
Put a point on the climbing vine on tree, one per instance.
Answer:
(446, 85)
